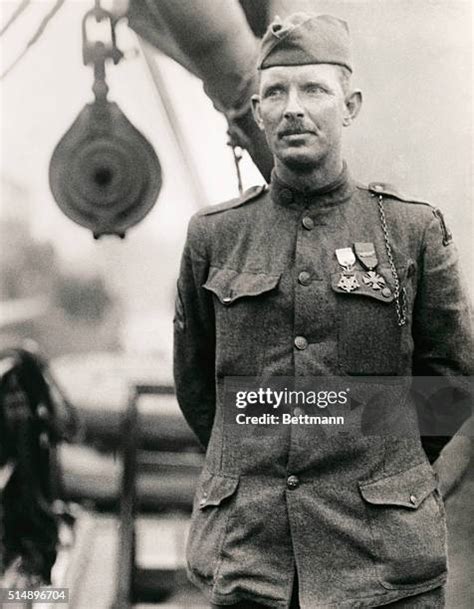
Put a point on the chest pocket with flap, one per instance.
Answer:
(229, 285)
(369, 337)
(243, 303)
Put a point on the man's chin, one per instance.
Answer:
(300, 161)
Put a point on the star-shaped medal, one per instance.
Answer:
(348, 283)
(374, 280)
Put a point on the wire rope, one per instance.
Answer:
(36, 36)
(16, 13)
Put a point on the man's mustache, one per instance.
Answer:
(295, 128)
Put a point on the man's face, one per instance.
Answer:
(302, 110)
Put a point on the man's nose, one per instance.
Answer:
(293, 108)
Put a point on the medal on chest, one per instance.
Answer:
(367, 257)
(346, 259)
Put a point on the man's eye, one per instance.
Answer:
(274, 92)
(314, 89)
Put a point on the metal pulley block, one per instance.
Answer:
(104, 174)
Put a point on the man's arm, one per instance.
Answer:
(442, 316)
(194, 337)
(443, 342)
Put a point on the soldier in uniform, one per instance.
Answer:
(315, 276)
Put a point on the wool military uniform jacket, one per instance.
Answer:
(359, 517)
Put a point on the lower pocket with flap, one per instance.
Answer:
(212, 508)
(408, 525)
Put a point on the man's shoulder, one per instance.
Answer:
(210, 221)
(251, 195)
(389, 191)
(417, 215)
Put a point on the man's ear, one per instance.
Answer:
(256, 111)
(353, 103)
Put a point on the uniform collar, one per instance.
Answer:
(336, 192)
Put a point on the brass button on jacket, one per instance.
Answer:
(301, 343)
(292, 482)
(304, 278)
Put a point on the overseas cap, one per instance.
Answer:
(304, 38)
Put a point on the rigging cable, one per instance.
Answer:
(16, 13)
(46, 19)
